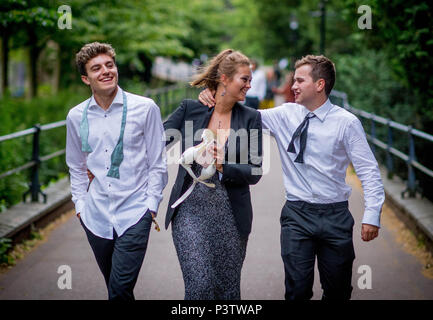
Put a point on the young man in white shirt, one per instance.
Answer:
(317, 141)
(118, 137)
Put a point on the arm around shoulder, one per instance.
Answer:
(174, 123)
(250, 172)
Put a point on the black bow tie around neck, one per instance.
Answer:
(301, 131)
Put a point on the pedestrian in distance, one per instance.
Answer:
(118, 138)
(257, 92)
(271, 82)
(286, 88)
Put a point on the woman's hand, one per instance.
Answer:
(207, 97)
(205, 158)
(218, 153)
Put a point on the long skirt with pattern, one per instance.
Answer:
(210, 249)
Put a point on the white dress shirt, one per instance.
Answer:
(117, 203)
(335, 138)
(258, 85)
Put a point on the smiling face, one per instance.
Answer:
(239, 84)
(102, 74)
(306, 90)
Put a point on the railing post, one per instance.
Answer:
(389, 158)
(411, 179)
(35, 187)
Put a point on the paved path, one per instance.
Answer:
(395, 273)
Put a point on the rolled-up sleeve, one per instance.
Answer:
(367, 170)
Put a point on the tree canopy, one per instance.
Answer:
(400, 39)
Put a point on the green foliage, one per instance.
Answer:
(207, 25)
(20, 13)
(138, 30)
(133, 26)
(247, 34)
(5, 245)
(35, 235)
(370, 84)
(19, 114)
(403, 30)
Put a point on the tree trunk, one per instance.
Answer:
(55, 81)
(34, 51)
(4, 63)
(148, 63)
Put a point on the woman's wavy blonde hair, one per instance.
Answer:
(226, 62)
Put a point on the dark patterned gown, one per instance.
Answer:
(209, 247)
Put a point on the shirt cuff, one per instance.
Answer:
(153, 205)
(371, 217)
(79, 206)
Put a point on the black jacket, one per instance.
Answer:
(245, 145)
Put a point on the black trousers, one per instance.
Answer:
(252, 102)
(120, 258)
(317, 230)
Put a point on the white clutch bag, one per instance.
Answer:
(192, 154)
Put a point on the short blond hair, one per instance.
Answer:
(91, 50)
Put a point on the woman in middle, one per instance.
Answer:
(210, 227)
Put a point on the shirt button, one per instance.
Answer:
(105, 115)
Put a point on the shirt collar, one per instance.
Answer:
(117, 101)
(323, 110)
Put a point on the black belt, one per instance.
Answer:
(309, 205)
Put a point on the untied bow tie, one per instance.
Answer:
(301, 131)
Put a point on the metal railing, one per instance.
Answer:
(168, 98)
(388, 146)
(36, 159)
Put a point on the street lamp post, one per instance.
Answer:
(322, 6)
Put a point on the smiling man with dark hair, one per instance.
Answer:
(119, 138)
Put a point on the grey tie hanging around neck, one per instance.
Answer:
(302, 131)
(117, 154)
